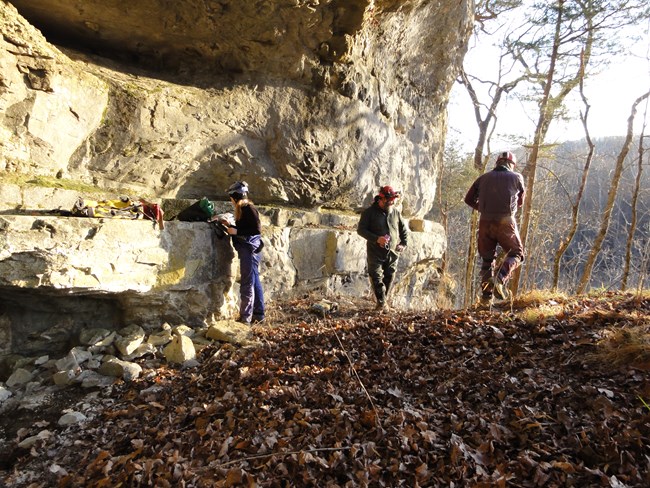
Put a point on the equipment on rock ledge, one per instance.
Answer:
(219, 229)
(200, 211)
(153, 212)
(122, 208)
(221, 222)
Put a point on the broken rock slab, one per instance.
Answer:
(20, 376)
(72, 418)
(179, 350)
(230, 331)
(120, 369)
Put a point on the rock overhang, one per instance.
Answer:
(217, 37)
(346, 97)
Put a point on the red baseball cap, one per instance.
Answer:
(388, 193)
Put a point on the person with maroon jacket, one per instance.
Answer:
(496, 195)
(246, 238)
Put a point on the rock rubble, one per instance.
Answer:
(105, 357)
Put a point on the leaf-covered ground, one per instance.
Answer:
(553, 394)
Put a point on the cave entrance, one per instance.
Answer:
(38, 322)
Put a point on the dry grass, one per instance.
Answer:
(541, 314)
(26, 180)
(535, 298)
(622, 318)
(538, 306)
(624, 346)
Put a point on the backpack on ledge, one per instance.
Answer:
(199, 211)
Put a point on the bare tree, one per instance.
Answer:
(635, 200)
(645, 265)
(456, 174)
(575, 204)
(611, 197)
(551, 52)
(486, 125)
(556, 59)
(548, 105)
(489, 10)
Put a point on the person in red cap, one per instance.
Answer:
(382, 226)
(496, 195)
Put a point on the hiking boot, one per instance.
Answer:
(487, 289)
(485, 299)
(383, 307)
(501, 290)
(258, 318)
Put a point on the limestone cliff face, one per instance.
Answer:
(314, 103)
(61, 275)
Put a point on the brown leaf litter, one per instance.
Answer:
(477, 397)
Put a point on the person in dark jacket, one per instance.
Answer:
(246, 238)
(496, 195)
(382, 226)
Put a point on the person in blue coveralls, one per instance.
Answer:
(246, 238)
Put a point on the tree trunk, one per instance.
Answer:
(575, 206)
(444, 218)
(635, 200)
(540, 134)
(469, 263)
(548, 106)
(480, 163)
(611, 197)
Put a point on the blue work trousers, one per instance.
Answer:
(250, 289)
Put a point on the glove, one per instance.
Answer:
(383, 241)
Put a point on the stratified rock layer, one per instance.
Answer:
(60, 276)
